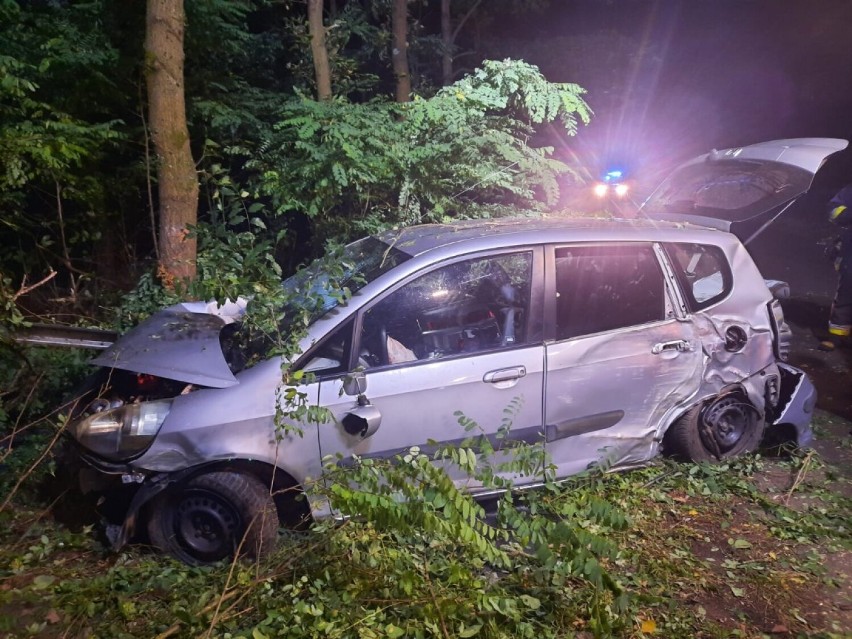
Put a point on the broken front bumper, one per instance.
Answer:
(797, 403)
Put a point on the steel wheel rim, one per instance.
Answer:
(206, 525)
(728, 421)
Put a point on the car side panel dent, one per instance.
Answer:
(595, 375)
(747, 367)
(726, 362)
(237, 423)
(254, 439)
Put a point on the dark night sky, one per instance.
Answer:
(670, 79)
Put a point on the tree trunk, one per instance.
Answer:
(322, 69)
(177, 180)
(447, 41)
(399, 55)
(449, 36)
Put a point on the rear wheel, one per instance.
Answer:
(724, 427)
(213, 517)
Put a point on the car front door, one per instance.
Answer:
(619, 359)
(455, 343)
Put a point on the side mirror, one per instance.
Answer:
(355, 383)
(365, 419)
(362, 421)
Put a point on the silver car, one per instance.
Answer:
(612, 340)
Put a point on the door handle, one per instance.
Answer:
(505, 374)
(678, 345)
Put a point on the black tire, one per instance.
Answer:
(721, 428)
(213, 516)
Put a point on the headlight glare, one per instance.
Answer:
(122, 432)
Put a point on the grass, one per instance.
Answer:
(758, 547)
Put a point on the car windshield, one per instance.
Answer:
(317, 289)
(320, 285)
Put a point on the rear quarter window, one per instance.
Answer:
(702, 271)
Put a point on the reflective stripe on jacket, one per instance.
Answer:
(840, 207)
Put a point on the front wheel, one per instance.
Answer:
(214, 516)
(722, 428)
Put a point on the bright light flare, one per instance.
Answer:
(621, 190)
(601, 189)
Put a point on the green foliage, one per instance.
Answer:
(230, 265)
(236, 248)
(349, 64)
(235, 257)
(77, 193)
(146, 298)
(10, 315)
(520, 90)
(415, 558)
(48, 146)
(517, 567)
(34, 383)
(356, 168)
(680, 540)
(237, 73)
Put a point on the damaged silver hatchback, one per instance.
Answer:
(612, 339)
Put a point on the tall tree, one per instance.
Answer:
(399, 54)
(319, 50)
(447, 43)
(177, 180)
(449, 36)
(463, 153)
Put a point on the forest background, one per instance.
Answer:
(163, 150)
(301, 125)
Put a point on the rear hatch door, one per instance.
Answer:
(741, 190)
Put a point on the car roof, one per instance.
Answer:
(484, 234)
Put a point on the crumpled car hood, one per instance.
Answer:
(174, 343)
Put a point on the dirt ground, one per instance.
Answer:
(793, 250)
(831, 605)
(788, 603)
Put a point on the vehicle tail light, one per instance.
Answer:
(781, 333)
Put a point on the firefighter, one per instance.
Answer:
(840, 320)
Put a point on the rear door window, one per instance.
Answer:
(606, 287)
(702, 272)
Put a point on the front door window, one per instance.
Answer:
(463, 308)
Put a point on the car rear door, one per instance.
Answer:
(619, 359)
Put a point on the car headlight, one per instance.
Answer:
(123, 432)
